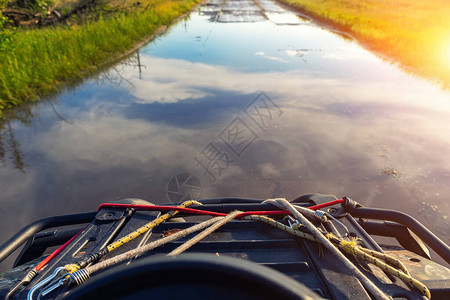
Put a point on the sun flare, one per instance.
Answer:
(446, 54)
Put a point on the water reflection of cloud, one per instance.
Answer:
(196, 80)
(191, 113)
(316, 113)
(113, 141)
(190, 81)
(279, 59)
(328, 140)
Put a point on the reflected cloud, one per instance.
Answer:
(348, 54)
(262, 54)
(174, 80)
(295, 53)
(112, 141)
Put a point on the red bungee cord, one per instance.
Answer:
(33, 272)
(319, 206)
(210, 213)
(56, 252)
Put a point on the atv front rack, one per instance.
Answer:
(290, 257)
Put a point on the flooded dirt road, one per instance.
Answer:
(241, 98)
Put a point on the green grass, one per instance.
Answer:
(415, 33)
(43, 60)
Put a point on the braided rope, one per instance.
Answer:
(204, 233)
(114, 245)
(155, 244)
(368, 284)
(148, 226)
(351, 247)
(281, 226)
(80, 276)
(404, 276)
(387, 258)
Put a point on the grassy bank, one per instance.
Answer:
(414, 32)
(40, 61)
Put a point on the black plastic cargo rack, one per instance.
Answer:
(241, 260)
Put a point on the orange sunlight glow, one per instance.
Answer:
(441, 55)
(446, 54)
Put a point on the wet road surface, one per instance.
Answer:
(242, 98)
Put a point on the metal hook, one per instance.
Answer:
(43, 282)
(342, 225)
(54, 284)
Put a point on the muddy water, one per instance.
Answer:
(242, 98)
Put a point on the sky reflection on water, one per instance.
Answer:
(351, 125)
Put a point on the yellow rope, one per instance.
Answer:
(191, 242)
(148, 226)
(396, 272)
(114, 245)
(387, 258)
(281, 226)
(352, 247)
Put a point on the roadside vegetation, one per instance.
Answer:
(415, 33)
(36, 60)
